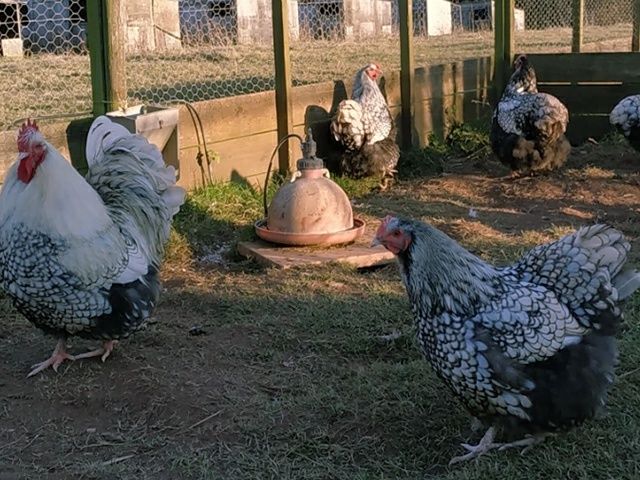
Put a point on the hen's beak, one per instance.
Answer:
(375, 242)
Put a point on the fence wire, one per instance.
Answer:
(44, 69)
(608, 25)
(194, 50)
(547, 25)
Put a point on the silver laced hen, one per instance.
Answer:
(528, 348)
(528, 127)
(80, 256)
(626, 118)
(364, 128)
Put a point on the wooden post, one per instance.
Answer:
(406, 71)
(106, 39)
(498, 48)
(635, 39)
(577, 18)
(284, 111)
(509, 35)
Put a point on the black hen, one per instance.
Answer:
(529, 347)
(528, 127)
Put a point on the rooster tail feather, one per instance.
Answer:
(136, 186)
(102, 135)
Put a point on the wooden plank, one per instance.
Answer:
(583, 127)
(577, 20)
(283, 81)
(635, 36)
(115, 44)
(586, 67)
(590, 98)
(242, 160)
(356, 254)
(220, 118)
(406, 71)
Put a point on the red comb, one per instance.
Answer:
(28, 128)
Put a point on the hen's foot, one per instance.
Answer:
(58, 356)
(526, 443)
(102, 352)
(474, 451)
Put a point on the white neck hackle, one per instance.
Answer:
(57, 201)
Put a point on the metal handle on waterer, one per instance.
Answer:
(266, 179)
(309, 161)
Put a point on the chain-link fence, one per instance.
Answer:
(44, 69)
(193, 50)
(548, 25)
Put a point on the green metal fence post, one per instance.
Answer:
(106, 39)
(283, 79)
(406, 71)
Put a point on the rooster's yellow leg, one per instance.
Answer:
(102, 352)
(58, 356)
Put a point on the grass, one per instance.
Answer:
(309, 373)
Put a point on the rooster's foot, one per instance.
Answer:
(474, 451)
(102, 352)
(58, 356)
(527, 443)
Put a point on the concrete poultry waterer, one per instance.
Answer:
(310, 209)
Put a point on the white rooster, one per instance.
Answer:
(80, 256)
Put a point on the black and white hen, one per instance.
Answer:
(365, 130)
(626, 118)
(529, 347)
(528, 127)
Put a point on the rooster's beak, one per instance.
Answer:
(375, 242)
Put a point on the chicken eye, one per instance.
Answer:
(397, 233)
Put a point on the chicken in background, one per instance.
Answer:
(528, 127)
(365, 130)
(80, 256)
(529, 348)
(626, 118)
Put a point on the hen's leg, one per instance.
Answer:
(486, 444)
(102, 352)
(58, 356)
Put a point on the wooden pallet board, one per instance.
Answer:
(358, 254)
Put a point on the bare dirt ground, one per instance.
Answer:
(289, 376)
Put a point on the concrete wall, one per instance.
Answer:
(438, 17)
(152, 25)
(367, 18)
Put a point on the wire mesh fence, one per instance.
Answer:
(200, 50)
(608, 25)
(547, 25)
(193, 50)
(44, 69)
